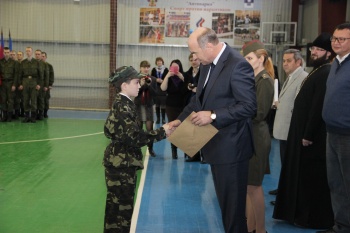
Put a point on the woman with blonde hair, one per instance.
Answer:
(256, 54)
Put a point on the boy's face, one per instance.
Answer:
(131, 89)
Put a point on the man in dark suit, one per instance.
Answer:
(226, 99)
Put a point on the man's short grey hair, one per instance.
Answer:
(297, 55)
(208, 36)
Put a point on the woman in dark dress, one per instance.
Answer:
(160, 71)
(175, 84)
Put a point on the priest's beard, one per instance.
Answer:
(319, 61)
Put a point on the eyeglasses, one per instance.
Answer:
(316, 48)
(339, 39)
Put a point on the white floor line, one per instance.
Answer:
(52, 139)
(135, 214)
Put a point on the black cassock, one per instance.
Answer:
(303, 193)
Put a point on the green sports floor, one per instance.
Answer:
(51, 176)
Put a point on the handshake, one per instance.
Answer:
(170, 127)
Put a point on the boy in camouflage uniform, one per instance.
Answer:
(123, 156)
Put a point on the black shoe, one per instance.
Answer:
(273, 192)
(273, 202)
(330, 230)
(45, 114)
(163, 121)
(195, 158)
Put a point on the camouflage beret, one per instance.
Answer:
(123, 74)
(252, 46)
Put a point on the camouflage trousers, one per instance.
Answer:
(121, 184)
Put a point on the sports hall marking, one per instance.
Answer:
(51, 139)
(137, 205)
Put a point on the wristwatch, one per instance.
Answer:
(213, 115)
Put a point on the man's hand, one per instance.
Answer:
(174, 124)
(167, 130)
(201, 118)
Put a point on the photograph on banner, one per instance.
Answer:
(247, 26)
(151, 30)
(223, 24)
(177, 23)
(152, 16)
(151, 35)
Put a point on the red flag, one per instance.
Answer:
(2, 46)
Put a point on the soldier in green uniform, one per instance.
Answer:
(42, 92)
(31, 79)
(51, 81)
(9, 73)
(123, 156)
(18, 93)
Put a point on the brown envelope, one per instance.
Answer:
(191, 138)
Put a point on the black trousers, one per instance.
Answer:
(230, 181)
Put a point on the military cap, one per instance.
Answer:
(123, 74)
(323, 41)
(252, 46)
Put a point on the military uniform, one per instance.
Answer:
(48, 95)
(18, 98)
(41, 93)
(30, 76)
(9, 73)
(123, 156)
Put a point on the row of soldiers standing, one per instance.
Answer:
(25, 85)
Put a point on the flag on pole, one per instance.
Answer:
(10, 41)
(2, 46)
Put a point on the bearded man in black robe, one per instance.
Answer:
(303, 197)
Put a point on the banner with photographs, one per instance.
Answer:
(171, 22)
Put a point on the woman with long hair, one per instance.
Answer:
(256, 54)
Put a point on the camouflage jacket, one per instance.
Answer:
(126, 136)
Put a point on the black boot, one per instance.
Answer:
(163, 116)
(9, 116)
(22, 112)
(158, 115)
(16, 116)
(150, 150)
(4, 116)
(174, 151)
(45, 113)
(40, 115)
(26, 117)
(33, 117)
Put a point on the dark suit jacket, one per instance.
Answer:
(230, 93)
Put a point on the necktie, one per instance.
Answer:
(211, 70)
